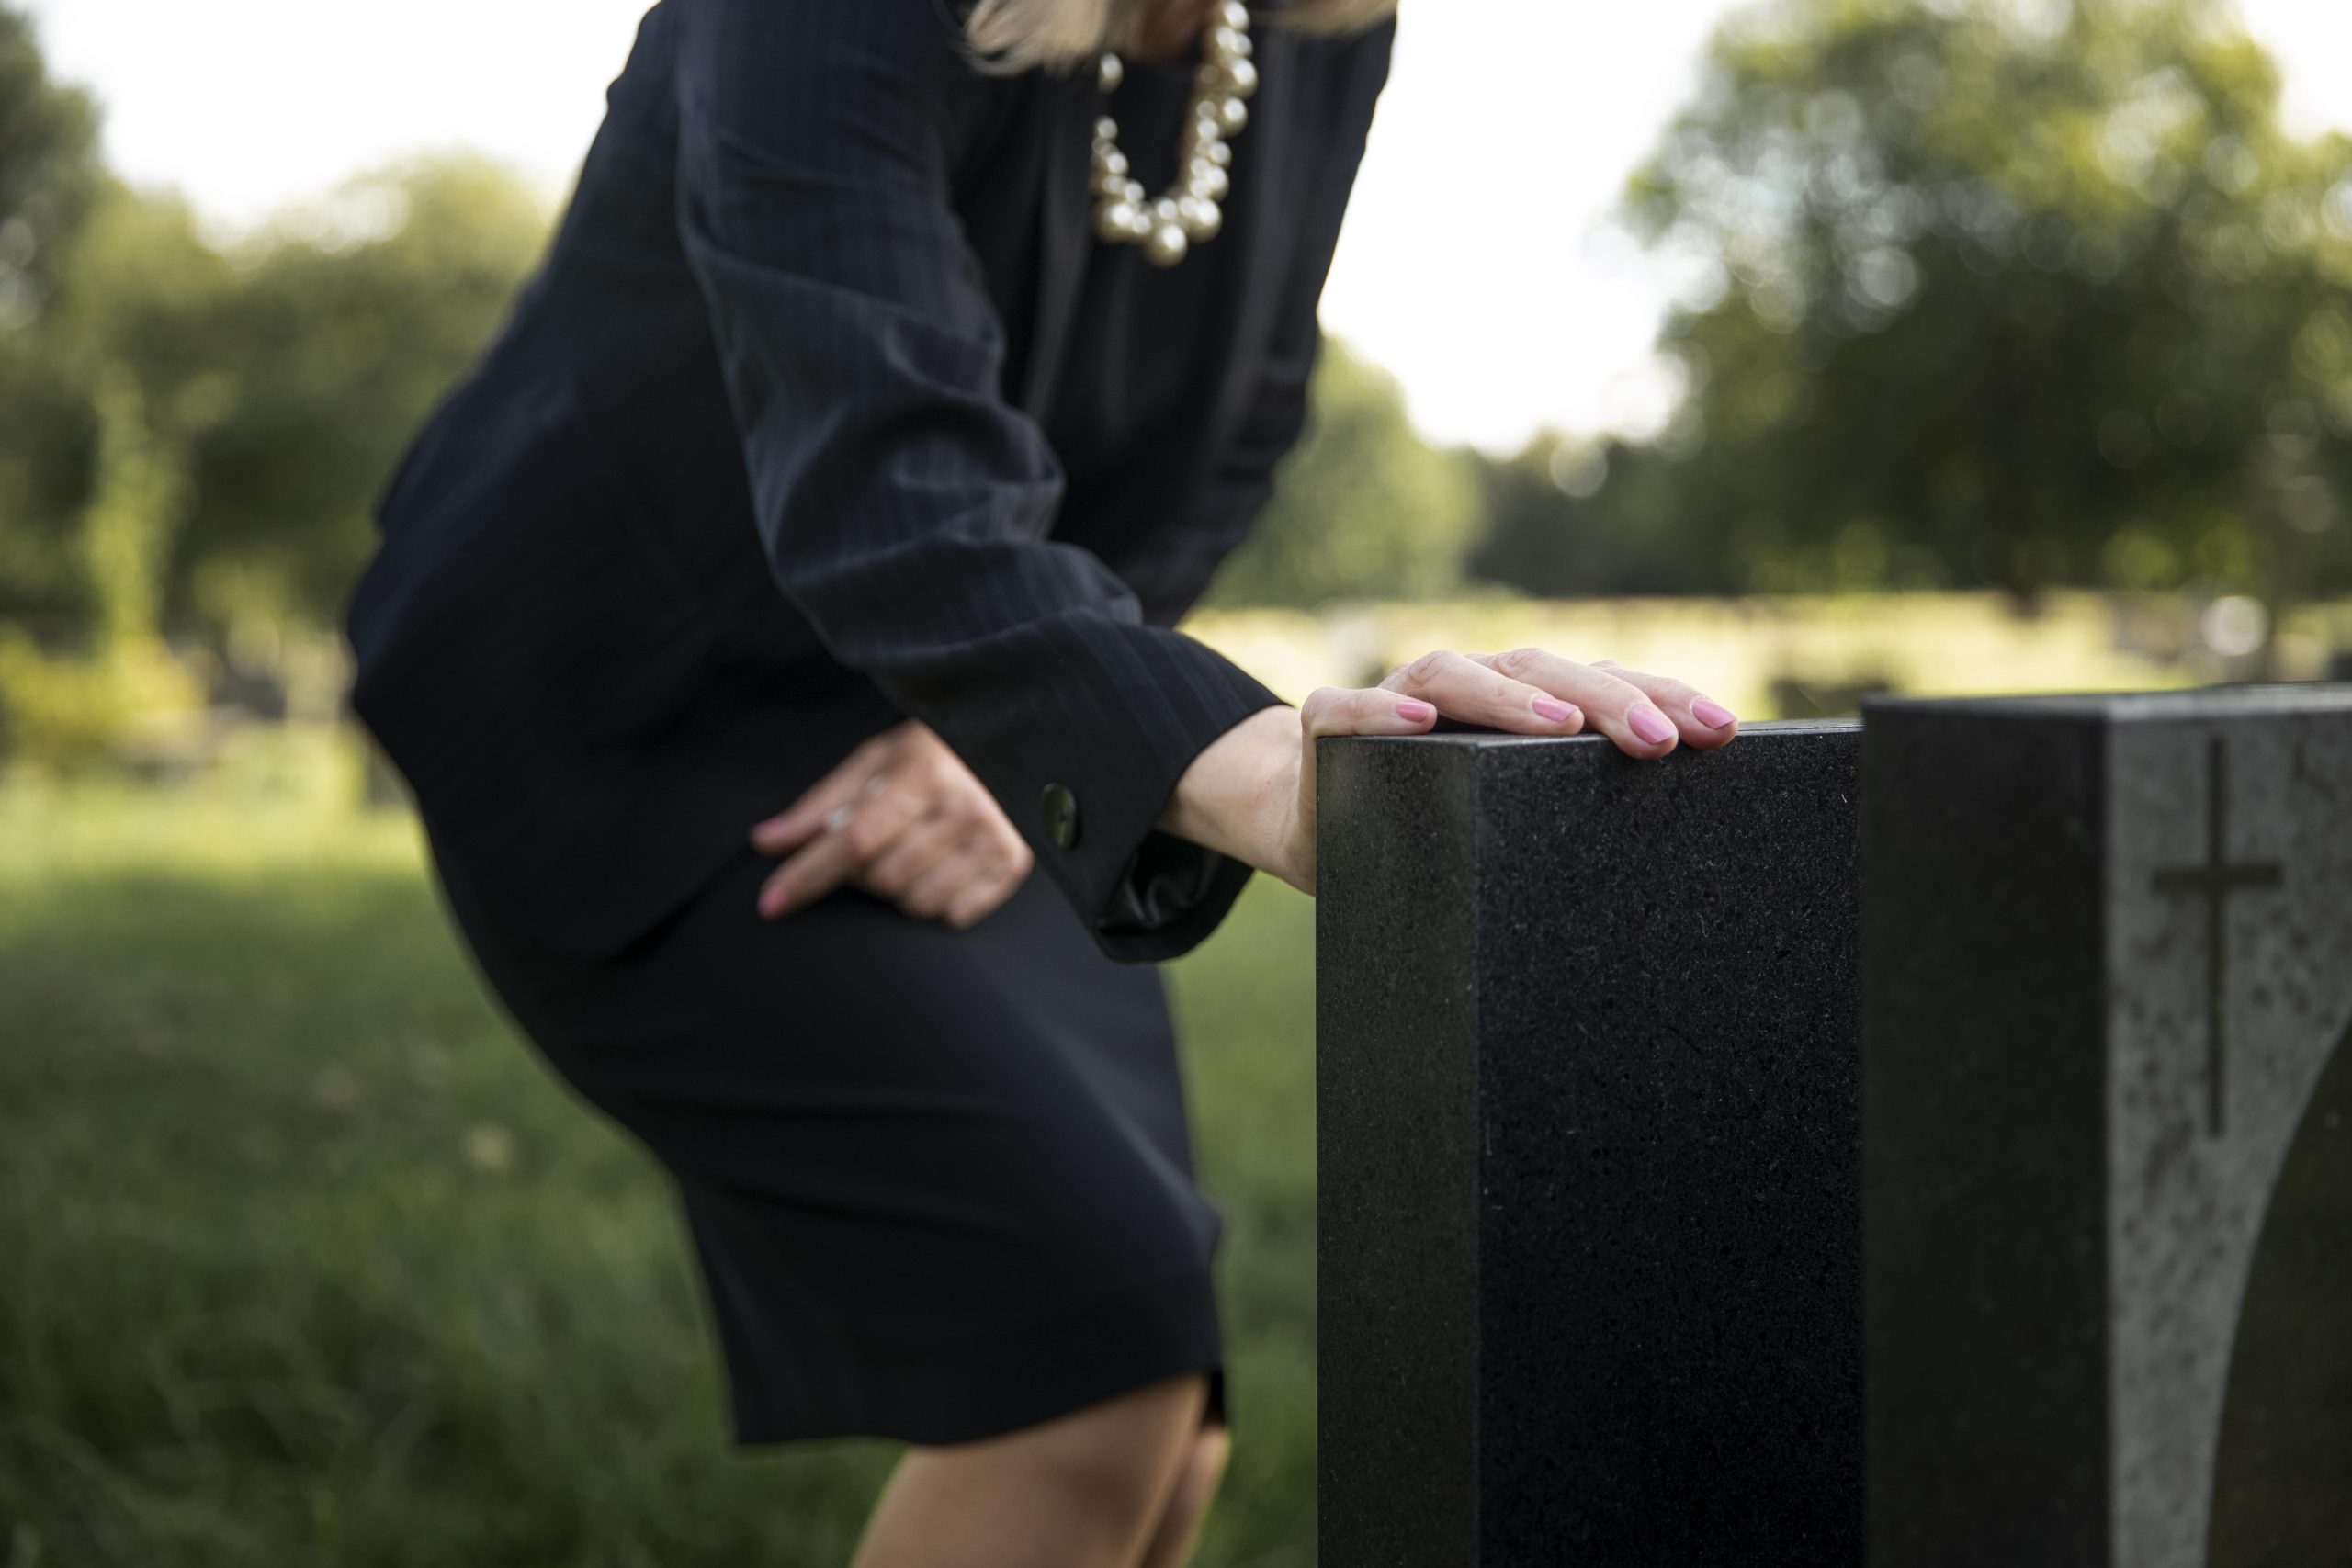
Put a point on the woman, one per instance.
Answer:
(866, 430)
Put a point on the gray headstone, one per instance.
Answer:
(2108, 966)
(1587, 1133)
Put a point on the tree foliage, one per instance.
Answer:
(345, 323)
(266, 387)
(48, 168)
(49, 176)
(2019, 294)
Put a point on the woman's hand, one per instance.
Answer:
(905, 820)
(1251, 792)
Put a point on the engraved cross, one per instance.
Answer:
(2214, 881)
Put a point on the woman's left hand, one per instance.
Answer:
(1251, 794)
(905, 820)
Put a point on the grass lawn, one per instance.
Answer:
(304, 1259)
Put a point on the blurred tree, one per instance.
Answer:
(1364, 508)
(133, 508)
(1545, 533)
(125, 340)
(2016, 293)
(48, 168)
(264, 392)
(49, 177)
(345, 321)
(46, 438)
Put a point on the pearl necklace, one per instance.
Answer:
(1188, 214)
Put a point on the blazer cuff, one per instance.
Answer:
(1173, 895)
(1147, 895)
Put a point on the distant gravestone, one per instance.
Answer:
(1587, 1133)
(2107, 1130)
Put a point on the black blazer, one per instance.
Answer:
(757, 470)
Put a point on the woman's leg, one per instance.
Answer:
(1180, 1525)
(1088, 1490)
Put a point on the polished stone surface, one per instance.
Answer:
(2108, 974)
(1587, 1121)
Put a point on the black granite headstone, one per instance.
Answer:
(2107, 1130)
(1587, 1121)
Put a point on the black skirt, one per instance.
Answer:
(940, 1181)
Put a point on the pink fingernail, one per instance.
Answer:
(1414, 712)
(1650, 725)
(1714, 715)
(1554, 709)
(772, 903)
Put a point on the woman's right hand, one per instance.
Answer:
(906, 821)
(1251, 792)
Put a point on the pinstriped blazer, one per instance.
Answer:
(758, 468)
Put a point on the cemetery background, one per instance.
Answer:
(2015, 356)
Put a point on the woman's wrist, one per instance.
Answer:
(1239, 797)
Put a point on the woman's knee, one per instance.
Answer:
(1117, 1463)
(1204, 1470)
(1188, 1505)
(1211, 1448)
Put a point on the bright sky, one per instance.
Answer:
(1471, 265)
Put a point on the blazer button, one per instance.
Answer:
(1062, 815)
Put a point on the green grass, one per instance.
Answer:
(304, 1259)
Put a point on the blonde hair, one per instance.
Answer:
(1014, 35)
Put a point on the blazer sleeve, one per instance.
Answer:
(903, 504)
